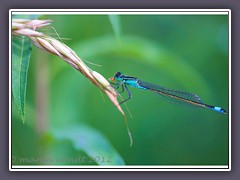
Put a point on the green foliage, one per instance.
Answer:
(116, 24)
(21, 51)
(83, 138)
(90, 141)
(188, 53)
(144, 51)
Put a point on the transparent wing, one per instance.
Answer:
(178, 97)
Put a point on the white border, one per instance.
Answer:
(121, 11)
(120, 168)
(230, 88)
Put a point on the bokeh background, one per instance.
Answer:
(68, 118)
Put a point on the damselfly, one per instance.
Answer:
(187, 98)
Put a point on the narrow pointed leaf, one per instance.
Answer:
(21, 51)
(116, 24)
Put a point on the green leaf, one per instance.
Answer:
(90, 141)
(144, 51)
(116, 24)
(21, 51)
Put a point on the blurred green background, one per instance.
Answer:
(67, 117)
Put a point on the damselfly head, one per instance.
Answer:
(118, 74)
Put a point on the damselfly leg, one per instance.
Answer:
(117, 85)
(129, 94)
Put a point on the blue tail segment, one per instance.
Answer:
(219, 109)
